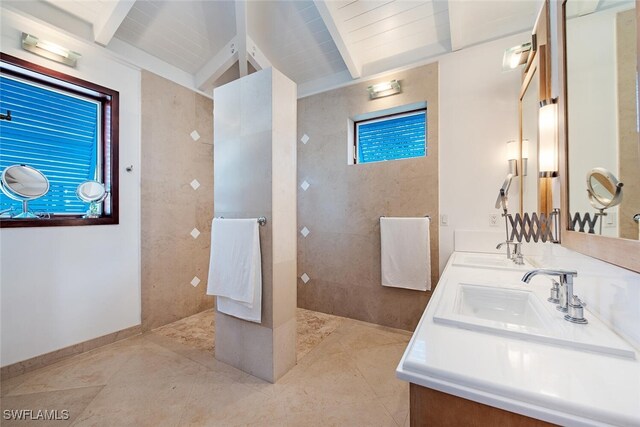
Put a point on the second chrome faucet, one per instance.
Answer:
(516, 257)
(567, 302)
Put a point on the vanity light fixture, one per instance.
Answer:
(516, 56)
(49, 50)
(380, 90)
(513, 153)
(525, 156)
(548, 137)
(512, 157)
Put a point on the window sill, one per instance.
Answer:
(69, 221)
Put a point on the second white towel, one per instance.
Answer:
(405, 253)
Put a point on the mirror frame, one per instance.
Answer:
(539, 67)
(528, 76)
(621, 252)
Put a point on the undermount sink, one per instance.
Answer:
(496, 261)
(520, 313)
(512, 309)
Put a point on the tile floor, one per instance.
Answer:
(345, 376)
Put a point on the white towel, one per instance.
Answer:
(405, 253)
(235, 269)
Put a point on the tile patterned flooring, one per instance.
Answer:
(345, 376)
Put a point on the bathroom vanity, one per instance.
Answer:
(491, 350)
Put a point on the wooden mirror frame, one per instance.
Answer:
(539, 62)
(622, 252)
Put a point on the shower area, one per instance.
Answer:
(186, 181)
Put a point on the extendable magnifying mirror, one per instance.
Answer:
(501, 202)
(604, 190)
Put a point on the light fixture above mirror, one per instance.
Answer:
(516, 56)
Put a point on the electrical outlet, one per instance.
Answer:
(444, 220)
(609, 220)
(493, 220)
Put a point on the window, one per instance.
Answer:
(391, 137)
(67, 129)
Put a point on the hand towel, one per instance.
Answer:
(235, 268)
(405, 253)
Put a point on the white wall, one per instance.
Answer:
(478, 115)
(63, 285)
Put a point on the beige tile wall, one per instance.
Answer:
(342, 206)
(170, 207)
(255, 174)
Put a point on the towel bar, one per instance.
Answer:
(426, 216)
(261, 220)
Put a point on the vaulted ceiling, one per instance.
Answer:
(319, 44)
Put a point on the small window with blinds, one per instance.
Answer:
(391, 137)
(63, 127)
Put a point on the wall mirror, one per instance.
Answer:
(602, 113)
(598, 129)
(529, 100)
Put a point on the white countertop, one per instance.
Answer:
(553, 383)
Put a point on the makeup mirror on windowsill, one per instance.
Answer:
(598, 127)
(92, 192)
(23, 183)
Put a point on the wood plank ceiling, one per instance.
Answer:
(316, 43)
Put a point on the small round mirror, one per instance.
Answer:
(21, 182)
(91, 191)
(605, 191)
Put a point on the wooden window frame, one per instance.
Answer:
(109, 100)
(387, 117)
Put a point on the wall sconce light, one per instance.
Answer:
(516, 56)
(548, 137)
(49, 50)
(513, 153)
(381, 90)
(525, 156)
(512, 157)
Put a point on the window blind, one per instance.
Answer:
(397, 137)
(54, 132)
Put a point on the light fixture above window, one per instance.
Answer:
(49, 50)
(516, 56)
(380, 90)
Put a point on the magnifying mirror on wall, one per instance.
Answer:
(24, 183)
(92, 192)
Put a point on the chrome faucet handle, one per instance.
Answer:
(554, 292)
(566, 284)
(517, 253)
(575, 311)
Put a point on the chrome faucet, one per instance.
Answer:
(567, 301)
(516, 257)
(501, 244)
